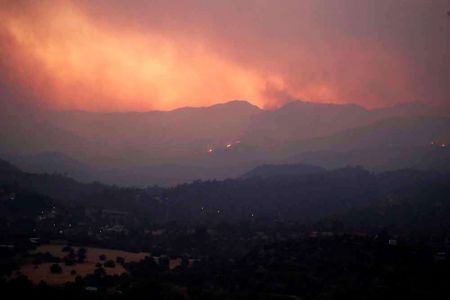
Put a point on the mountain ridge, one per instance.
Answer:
(211, 140)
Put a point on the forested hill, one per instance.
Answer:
(406, 196)
(66, 190)
(297, 197)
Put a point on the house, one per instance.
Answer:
(392, 242)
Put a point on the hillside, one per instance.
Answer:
(217, 142)
(395, 132)
(393, 199)
(429, 157)
(267, 171)
(66, 190)
(419, 210)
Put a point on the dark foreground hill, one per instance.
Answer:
(422, 209)
(341, 234)
(303, 197)
(400, 199)
(66, 190)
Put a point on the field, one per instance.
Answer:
(41, 272)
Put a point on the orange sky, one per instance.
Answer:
(111, 57)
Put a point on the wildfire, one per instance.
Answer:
(227, 146)
(439, 144)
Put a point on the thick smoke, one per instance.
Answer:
(141, 55)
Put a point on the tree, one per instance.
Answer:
(120, 260)
(69, 262)
(109, 264)
(100, 272)
(164, 262)
(67, 249)
(55, 269)
(81, 254)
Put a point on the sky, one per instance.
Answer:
(112, 55)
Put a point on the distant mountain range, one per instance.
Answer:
(223, 140)
(418, 143)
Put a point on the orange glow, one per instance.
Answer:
(85, 66)
(161, 55)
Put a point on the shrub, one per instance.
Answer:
(67, 249)
(69, 262)
(120, 260)
(81, 255)
(109, 264)
(55, 269)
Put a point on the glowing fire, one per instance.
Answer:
(70, 59)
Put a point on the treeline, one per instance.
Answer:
(354, 196)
